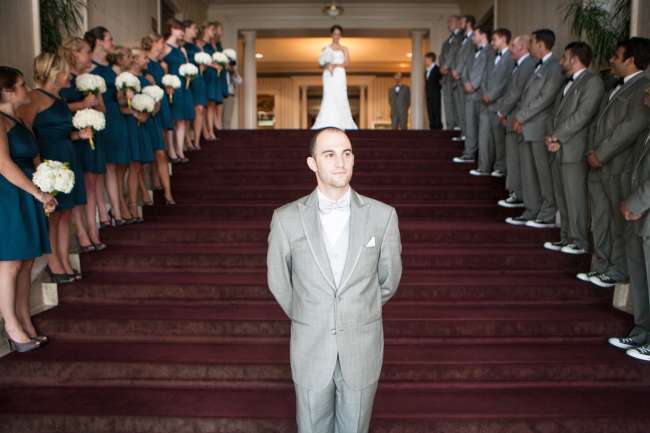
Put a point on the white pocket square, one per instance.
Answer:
(371, 243)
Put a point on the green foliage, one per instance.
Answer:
(59, 18)
(601, 27)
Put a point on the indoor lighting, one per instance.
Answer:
(259, 55)
(333, 10)
(409, 55)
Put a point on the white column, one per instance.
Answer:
(417, 80)
(250, 80)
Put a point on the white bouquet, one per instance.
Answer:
(90, 83)
(326, 56)
(54, 177)
(171, 82)
(221, 59)
(189, 71)
(202, 58)
(231, 54)
(127, 80)
(154, 91)
(143, 103)
(89, 118)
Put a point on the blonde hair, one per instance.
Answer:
(71, 46)
(147, 42)
(47, 66)
(118, 54)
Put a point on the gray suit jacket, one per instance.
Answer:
(573, 114)
(618, 124)
(449, 51)
(329, 321)
(464, 56)
(538, 97)
(511, 101)
(401, 101)
(475, 70)
(637, 181)
(496, 78)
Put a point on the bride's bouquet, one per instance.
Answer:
(189, 71)
(127, 80)
(171, 82)
(53, 177)
(90, 83)
(221, 59)
(143, 103)
(326, 57)
(89, 119)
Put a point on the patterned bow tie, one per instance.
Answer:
(327, 206)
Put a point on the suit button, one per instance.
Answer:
(333, 331)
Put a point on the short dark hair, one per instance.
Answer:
(336, 27)
(470, 19)
(431, 55)
(546, 36)
(314, 138)
(582, 51)
(639, 48)
(484, 31)
(8, 78)
(504, 33)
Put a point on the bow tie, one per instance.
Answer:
(620, 81)
(570, 79)
(478, 49)
(540, 63)
(327, 206)
(499, 53)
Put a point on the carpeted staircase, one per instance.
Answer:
(173, 329)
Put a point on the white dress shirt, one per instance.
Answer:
(544, 59)
(430, 68)
(497, 59)
(335, 222)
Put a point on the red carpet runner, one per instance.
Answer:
(173, 330)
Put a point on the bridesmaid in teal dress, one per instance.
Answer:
(154, 45)
(199, 92)
(51, 120)
(182, 105)
(93, 162)
(22, 214)
(211, 81)
(113, 139)
(222, 82)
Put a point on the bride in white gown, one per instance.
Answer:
(335, 107)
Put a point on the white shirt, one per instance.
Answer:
(335, 223)
(468, 37)
(430, 68)
(478, 52)
(544, 59)
(522, 58)
(397, 89)
(497, 59)
(625, 80)
(575, 77)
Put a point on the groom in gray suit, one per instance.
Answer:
(334, 259)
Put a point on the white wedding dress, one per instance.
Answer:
(335, 107)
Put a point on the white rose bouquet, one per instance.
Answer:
(189, 71)
(231, 54)
(202, 59)
(90, 83)
(171, 82)
(53, 177)
(127, 80)
(143, 103)
(221, 59)
(89, 119)
(154, 91)
(326, 57)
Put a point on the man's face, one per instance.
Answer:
(477, 38)
(398, 79)
(620, 65)
(498, 42)
(537, 48)
(333, 160)
(567, 62)
(462, 23)
(452, 23)
(427, 61)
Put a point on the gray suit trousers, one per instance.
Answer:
(399, 119)
(638, 261)
(449, 102)
(537, 182)
(491, 142)
(472, 113)
(335, 409)
(607, 225)
(570, 187)
(514, 143)
(459, 104)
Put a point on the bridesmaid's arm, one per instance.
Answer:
(89, 101)
(149, 78)
(10, 171)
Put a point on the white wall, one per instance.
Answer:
(21, 41)
(127, 20)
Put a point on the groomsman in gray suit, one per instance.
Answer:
(506, 107)
(472, 80)
(568, 134)
(621, 119)
(399, 98)
(492, 134)
(334, 259)
(635, 207)
(447, 59)
(530, 120)
(463, 59)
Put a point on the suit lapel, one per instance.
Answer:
(618, 94)
(576, 85)
(313, 232)
(358, 235)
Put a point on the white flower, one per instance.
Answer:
(53, 177)
(90, 83)
(221, 58)
(188, 70)
(231, 54)
(89, 118)
(203, 58)
(326, 56)
(127, 80)
(143, 103)
(155, 92)
(172, 81)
